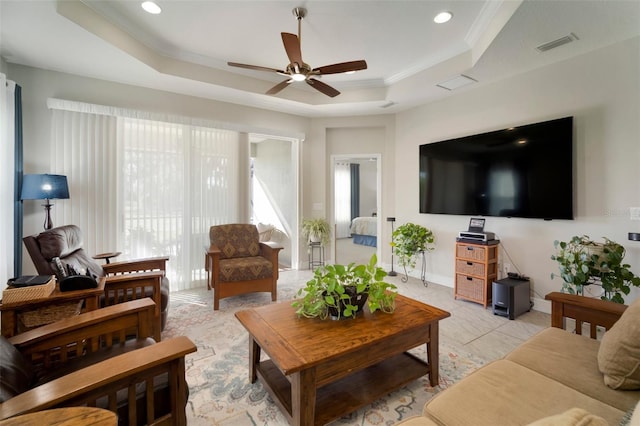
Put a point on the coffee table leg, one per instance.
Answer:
(303, 397)
(433, 359)
(254, 359)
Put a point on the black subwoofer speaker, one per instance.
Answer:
(511, 297)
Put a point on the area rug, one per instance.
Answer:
(219, 389)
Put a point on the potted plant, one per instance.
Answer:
(408, 240)
(582, 261)
(316, 231)
(339, 291)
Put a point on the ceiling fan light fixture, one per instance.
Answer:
(298, 77)
(151, 7)
(443, 17)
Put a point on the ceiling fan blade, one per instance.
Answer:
(322, 87)
(292, 46)
(255, 67)
(278, 87)
(342, 67)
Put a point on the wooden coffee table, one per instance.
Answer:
(319, 371)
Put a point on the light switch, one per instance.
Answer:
(635, 213)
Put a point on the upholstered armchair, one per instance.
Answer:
(124, 280)
(95, 360)
(238, 263)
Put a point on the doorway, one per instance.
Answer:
(274, 193)
(357, 185)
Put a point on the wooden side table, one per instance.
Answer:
(70, 416)
(9, 311)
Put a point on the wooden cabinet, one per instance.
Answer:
(475, 270)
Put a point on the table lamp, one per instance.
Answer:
(45, 187)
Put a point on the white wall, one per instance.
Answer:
(368, 187)
(602, 91)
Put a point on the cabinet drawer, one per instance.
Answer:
(470, 268)
(470, 287)
(471, 252)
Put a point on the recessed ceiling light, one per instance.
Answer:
(443, 17)
(151, 7)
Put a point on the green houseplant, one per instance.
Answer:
(316, 230)
(582, 261)
(409, 240)
(340, 291)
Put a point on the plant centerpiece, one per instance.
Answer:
(582, 261)
(409, 240)
(316, 231)
(339, 291)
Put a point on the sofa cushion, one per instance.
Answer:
(619, 354)
(506, 390)
(572, 417)
(16, 373)
(570, 359)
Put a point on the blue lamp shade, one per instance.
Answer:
(44, 187)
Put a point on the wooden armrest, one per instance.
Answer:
(582, 309)
(111, 318)
(111, 375)
(137, 265)
(270, 245)
(213, 251)
(150, 276)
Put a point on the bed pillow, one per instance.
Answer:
(619, 353)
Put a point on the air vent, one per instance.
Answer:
(557, 43)
(456, 82)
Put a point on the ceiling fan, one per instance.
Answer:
(297, 70)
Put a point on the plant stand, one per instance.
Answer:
(316, 255)
(423, 271)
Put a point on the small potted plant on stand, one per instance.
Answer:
(339, 291)
(316, 231)
(408, 241)
(582, 261)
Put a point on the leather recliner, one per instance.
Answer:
(65, 242)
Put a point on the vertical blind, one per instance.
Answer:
(146, 187)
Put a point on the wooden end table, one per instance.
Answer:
(9, 311)
(318, 371)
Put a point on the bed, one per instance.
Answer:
(364, 231)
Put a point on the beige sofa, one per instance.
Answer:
(556, 377)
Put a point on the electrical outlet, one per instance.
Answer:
(507, 268)
(634, 212)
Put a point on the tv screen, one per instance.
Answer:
(524, 171)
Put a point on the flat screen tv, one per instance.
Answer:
(524, 171)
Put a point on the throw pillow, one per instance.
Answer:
(619, 353)
(571, 417)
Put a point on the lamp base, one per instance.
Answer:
(392, 273)
(48, 223)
